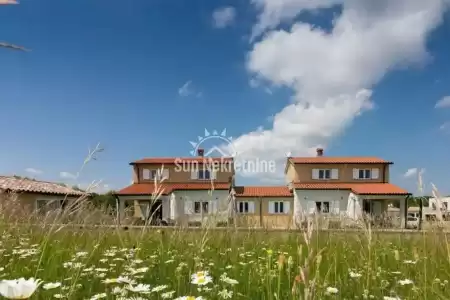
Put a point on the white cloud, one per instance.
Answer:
(444, 102)
(410, 173)
(332, 73)
(67, 175)
(224, 16)
(445, 126)
(273, 12)
(187, 90)
(33, 171)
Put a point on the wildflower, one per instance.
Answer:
(81, 254)
(331, 290)
(140, 288)
(19, 289)
(230, 280)
(200, 274)
(51, 285)
(119, 279)
(354, 275)
(225, 294)
(290, 261)
(201, 280)
(189, 298)
(410, 262)
(391, 298)
(396, 255)
(405, 282)
(159, 288)
(99, 296)
(119, 291)
(167, 295)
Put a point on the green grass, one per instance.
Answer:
(266, 265)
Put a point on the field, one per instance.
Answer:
(159, 264)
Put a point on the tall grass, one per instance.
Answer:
(266, 265)
(145, 263)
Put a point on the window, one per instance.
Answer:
(205, 207)
(365, 174)
(45, 206)
(279, 207)
(201, 207)
(149, 174)
(204, 174)
(325, 174)
(197, 207)
(243, 207)
(323, 207)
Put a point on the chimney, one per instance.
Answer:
(200, 152)
(319, 152)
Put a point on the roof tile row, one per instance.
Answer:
(20, 184)
(264, 191)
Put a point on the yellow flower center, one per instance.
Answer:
(190, 298)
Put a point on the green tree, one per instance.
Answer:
(104, 201)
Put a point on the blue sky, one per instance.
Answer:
(112, 72)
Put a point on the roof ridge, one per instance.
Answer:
(35, 180)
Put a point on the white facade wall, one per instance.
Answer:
(445, 202)
(144, 201)
(306, 201)
(183, 204)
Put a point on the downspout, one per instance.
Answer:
(406, 210)
(384, 173)
(117, 209)
(260, 212)
(420, 212)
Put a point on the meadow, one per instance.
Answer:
(113, 263)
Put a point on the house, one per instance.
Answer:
(179, 190)
(430, 212)
(263, 206)
(343, 186)
(198, 189)
(33, 195)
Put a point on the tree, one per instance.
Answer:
(105, 201)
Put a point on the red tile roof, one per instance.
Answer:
(358, 188)
(167, 188)
(338, 160)
(20, 184)
(173, 160)
(262, 191)
(378, 189)
(323, 186)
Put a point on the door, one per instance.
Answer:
(377, 208)
(366, 206)
(156, 212)
(143, 205)
(152, 213)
